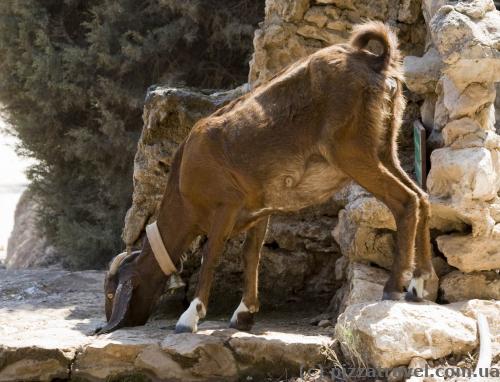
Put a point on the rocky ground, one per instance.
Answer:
(46, 317)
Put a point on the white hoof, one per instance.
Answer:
(416, 289)
(188, 321)
(242, 308)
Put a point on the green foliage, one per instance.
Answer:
(73, 77)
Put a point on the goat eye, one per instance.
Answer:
(110, 296)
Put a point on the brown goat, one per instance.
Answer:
(289, 144)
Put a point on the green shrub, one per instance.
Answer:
(73, 76)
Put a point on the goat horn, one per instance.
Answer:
(120, 307)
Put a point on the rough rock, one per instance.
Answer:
(463, 102)
(422, 73)
(299, 249)
(365, 231)
(409, 11)
(363, 283)
(169, 114)
(466, 132)
(389, 334)
(287, 10)
(27, 247)
(46, 316)
(480, 254)
(491, 310)
(470, 173)
(458, 286)
(469, 46)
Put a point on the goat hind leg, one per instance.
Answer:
(371, 174)
(423, 253)
(243, 316)
(222, 227)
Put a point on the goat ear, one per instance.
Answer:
(121, 303)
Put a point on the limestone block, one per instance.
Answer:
(458, 286)
(339, 25)
(287, 10)
(470, 254)
(273, 351)
(325, 35)
(364, 283)
(461, 215)
(466, 102)
(409, 10)
(475, 9)
(276, 46)
(316, 16)
(206, 354)
(364, 232)
(342, 4)
(440, 112)
(389, 334)
(422, 73)
(430, 7)
(427, 111)
(470, 173)
(470, 47)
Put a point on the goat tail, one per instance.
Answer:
(378, 31)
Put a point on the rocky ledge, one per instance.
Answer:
(46, 317)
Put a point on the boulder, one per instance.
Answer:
(169, 114)
(470, 254)
(463, 102)
(286, 10)
(422, 73)
(468, 46)
(363, 283)
(388, 334)
(408, 12)
(458, 286)
(464, 215)
(365, 231)
(27, 246)
(466, 132)
(470, 173)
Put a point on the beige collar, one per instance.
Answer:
(159, 250)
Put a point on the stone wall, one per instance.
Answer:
(457, 76)
(295, 28)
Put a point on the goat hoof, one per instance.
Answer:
(244, 321)
(184, 329)
(392, 296)
(412, 296)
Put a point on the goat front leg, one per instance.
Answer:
(371, 174)
(222, 227)
(243, 316)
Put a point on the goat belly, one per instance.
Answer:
(293, 189)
